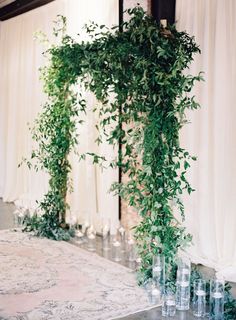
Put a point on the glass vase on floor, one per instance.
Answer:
(116, 251)
(72, 221)
(105, 232)
(79, 235)
(91, 238)
(131, 253)
(183, 284)
(81, 228)
(85, 227)
(153, 292)
(19, 216)
(105, 240)
(168, 303)
(217, 299)
(199, 298)
(121, 236)
(158, 271)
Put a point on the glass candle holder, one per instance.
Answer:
(199, 298)
(158, 271)
(131, 254)
(217, 299)
(121, 236)
(15, 218)
(79, 234)
(183, 284)
(19, 216)
(116, 251)
(91, 236)
(85, 227)
(153, 292)
(105, 237)
(81, 228)
(168, 304)
(72, 221)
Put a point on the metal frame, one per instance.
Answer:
(20, 6)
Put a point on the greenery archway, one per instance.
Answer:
(142, 68)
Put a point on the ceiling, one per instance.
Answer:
(12, 8)
(3, 3)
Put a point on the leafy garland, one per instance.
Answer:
(55, 133)
(142, 69)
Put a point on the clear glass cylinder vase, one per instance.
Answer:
(105, 232)
(153, 292)
(116, 251)
(19, 215)
(121, 235)
(217, 299)
(158, 271)
(168, 303)
(183, 284)
(199, 298)
(130, 247)
(91, 239)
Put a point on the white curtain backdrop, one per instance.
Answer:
(21, 98)
(211, 210)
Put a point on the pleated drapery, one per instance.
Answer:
(211, 135)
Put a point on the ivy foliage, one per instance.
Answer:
(55, 133)
(44, 226)
(138, 76)
(143, 68)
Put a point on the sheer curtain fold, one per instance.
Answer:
(97, 202)
(210, 211)
(21, 99)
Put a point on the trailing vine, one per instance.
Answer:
(143, 67)
(138, 77)
(55, 133)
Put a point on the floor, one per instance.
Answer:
(6, 222)
(153, 314)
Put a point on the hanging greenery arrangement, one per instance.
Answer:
(142, 69)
